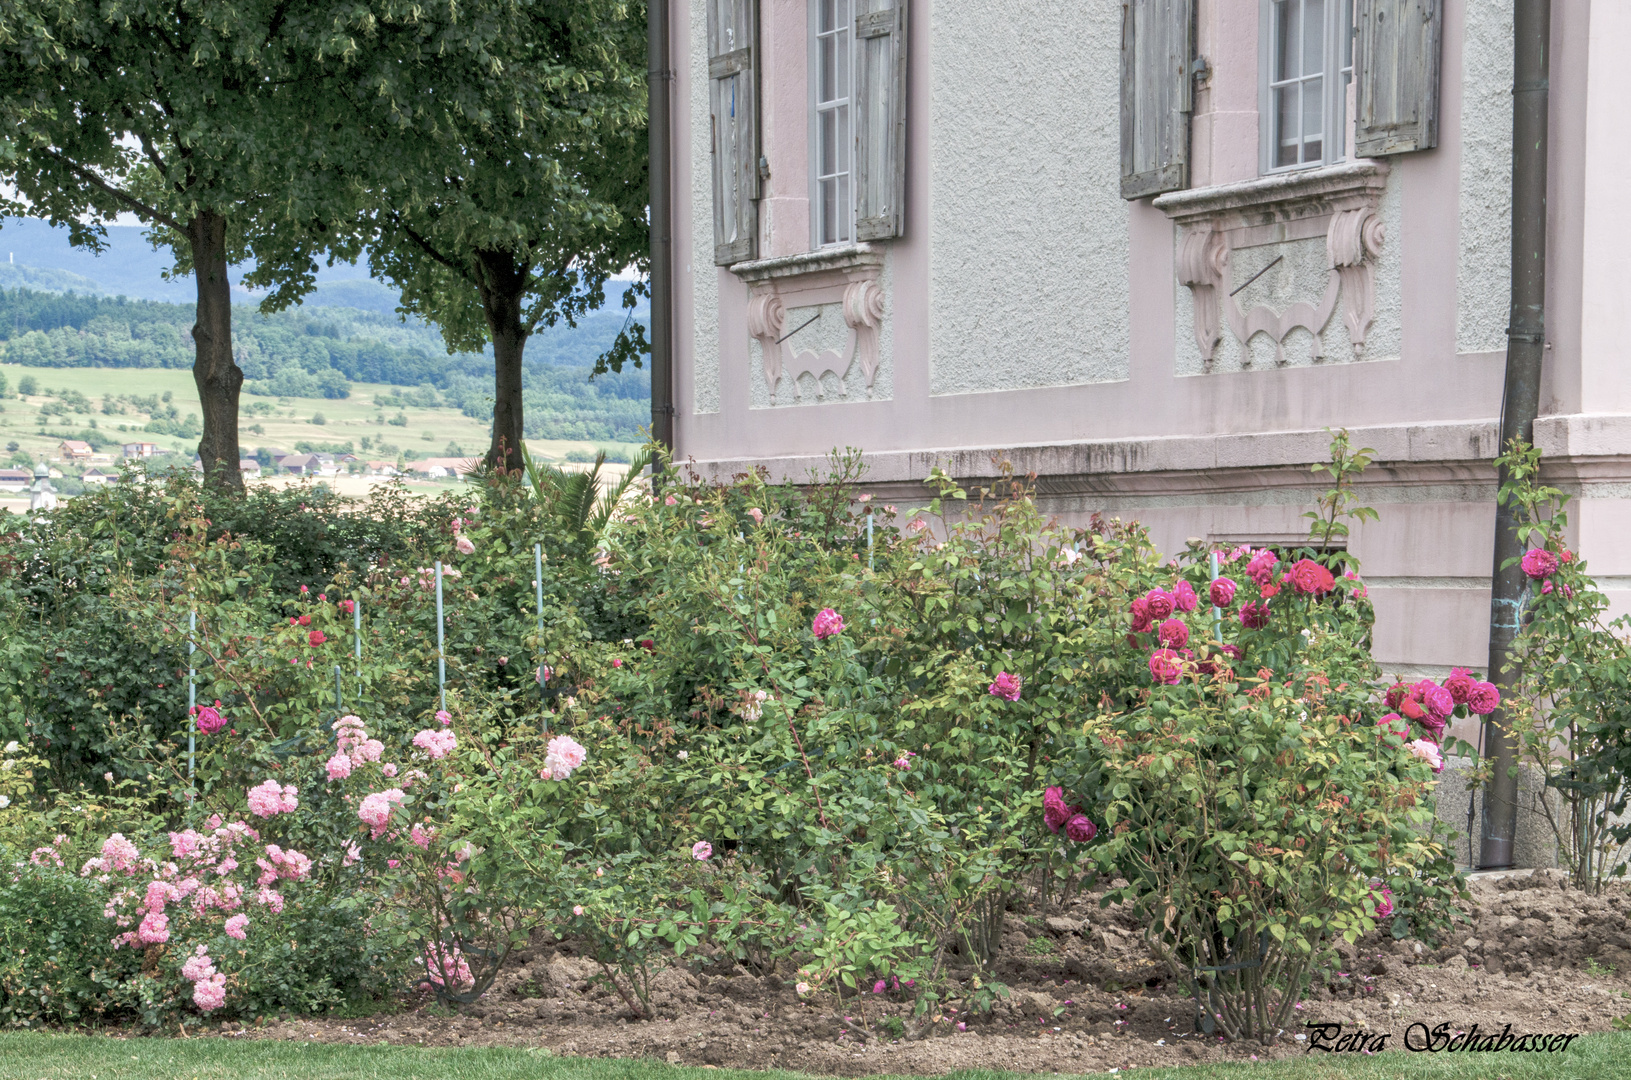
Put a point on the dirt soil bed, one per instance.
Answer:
(1086, 998)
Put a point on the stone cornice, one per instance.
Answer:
(1289, 196)
(847, 259)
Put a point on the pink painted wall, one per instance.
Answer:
(1177, 442)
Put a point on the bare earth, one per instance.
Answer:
(1085, 999)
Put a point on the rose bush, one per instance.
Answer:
(756, 723)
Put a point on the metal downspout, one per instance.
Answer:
(1526, 347)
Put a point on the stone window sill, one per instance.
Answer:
(1280, 197)
(852, 260)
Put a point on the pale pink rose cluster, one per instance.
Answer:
(375, 809)
(445, 965)
(277, 863)
(268, 799)
(564, 755)
(355, 748)
(209, 985)
(438, 744)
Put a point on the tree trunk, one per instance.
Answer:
(217, 375)
(503, 286)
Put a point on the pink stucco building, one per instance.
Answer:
(900, 225)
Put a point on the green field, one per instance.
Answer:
(80, 1057)
(263, 421)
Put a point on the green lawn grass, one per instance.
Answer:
(36, 1056)
(346, 418)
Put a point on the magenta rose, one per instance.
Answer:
(1460, 684)
(1439, 701)
(1141, 615)
(1054, 811)
(1183, 595)
(1254, 616)
(210, 719)
(1261, 568)
(827, 623)
(1080, 829)
(1164, 667)
(1310, 578)
(1173, 634)
(1005, 686)
(1161, 602)
(1484, 699)
(1539, 563)
(1222, 592)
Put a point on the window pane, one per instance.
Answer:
(1286, 35)
(1313, 102)
(829, 211)
(826, 75)
(1285, 126)
(1313, 36)
(827, 18)
(841, 78)
(841, 217)
(1345, 31)
(826, 165)
(841, 158)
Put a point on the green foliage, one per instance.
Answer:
(1571, 706)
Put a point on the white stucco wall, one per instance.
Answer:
(1028, 280)
(1483, 277)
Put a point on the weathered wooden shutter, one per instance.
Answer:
(1396, 66)
(1157, 43)
(880, 119)
(733, 103)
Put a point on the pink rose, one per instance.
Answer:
(1310, 578)
(1384, 902)
(1080, 829)
(464, 545)
(210, 719)
(1439, 701)
(339, 767)
(1261, 567)
(316, 637)
(827, 623)
(1164, 667)
(757, 515)
(702, 851)
(1005, 686)
(1173, 634)
(1183, 595)
(1161, 603)
(1429, 752)
(1054, 811)
(1460, 684)
(1141, 615)
(1222, 592)
(1539, 563)
(235, 927)
(1484, 699)
(1254, 616)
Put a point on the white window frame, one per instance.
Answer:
(1336, 54)
(843, 231)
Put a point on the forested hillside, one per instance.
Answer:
(318, 351)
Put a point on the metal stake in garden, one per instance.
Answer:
(441, 650)
(1217, 612)
(356, 632)
(869, 540)
(192, 700)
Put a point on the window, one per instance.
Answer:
(1308, 63)
(834, 208)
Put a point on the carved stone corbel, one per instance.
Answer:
(1353, 242)
(863, 312)
(1201, 261)
(766, 317)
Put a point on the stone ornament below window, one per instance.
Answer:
(857, 268)
(1343, 199)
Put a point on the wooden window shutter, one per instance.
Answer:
(1157, 46)
(1396, 66)
(733, 105)
(880, 119)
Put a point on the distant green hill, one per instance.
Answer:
(17, 276)
(319, 349)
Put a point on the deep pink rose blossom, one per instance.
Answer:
(210, 719)
(1484, 699)
(1005, 686)
(827, 623)
(1161, 603)
(1173, 634)
(1222, 592)
(1080, 829)
(1164, 667)
(1539, 563)
(1183, 594)
(1254, 616)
